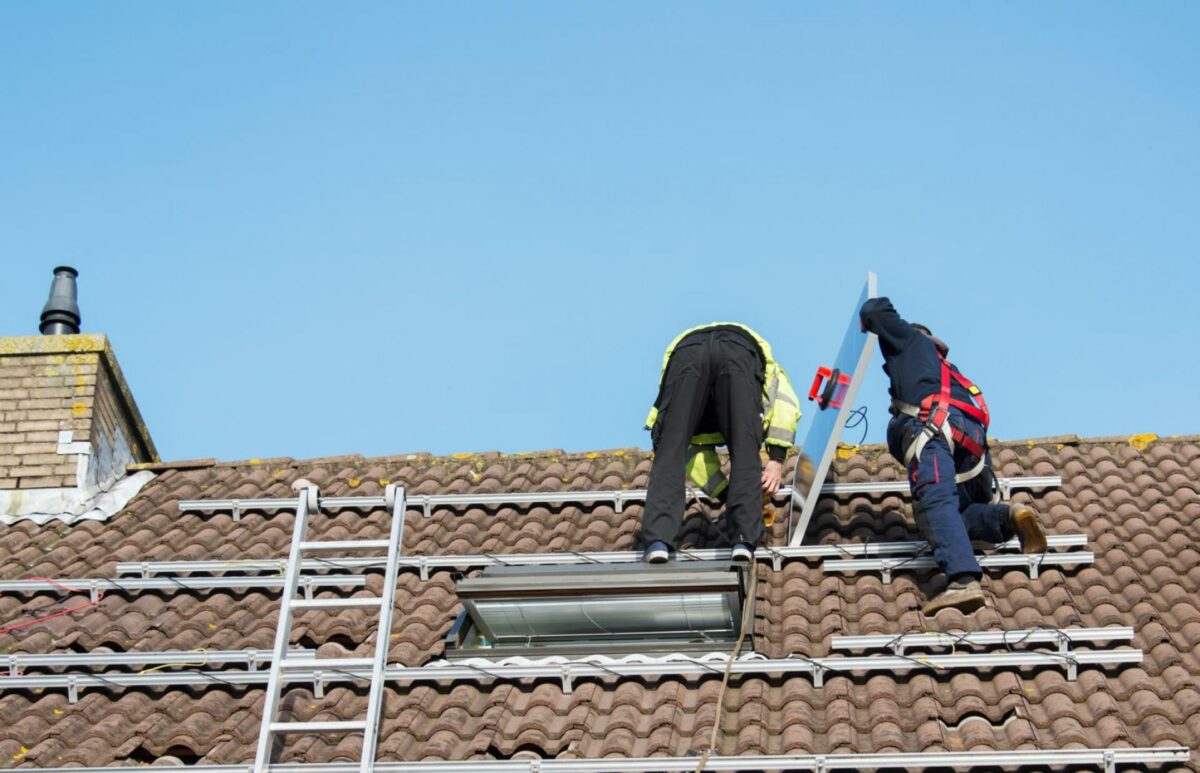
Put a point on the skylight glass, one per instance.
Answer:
(621, 608)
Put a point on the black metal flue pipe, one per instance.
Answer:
(60, 315)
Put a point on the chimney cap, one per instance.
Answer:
(60, 315)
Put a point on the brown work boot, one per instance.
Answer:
(1028, 528)
(964, 595)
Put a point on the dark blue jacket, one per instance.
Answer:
(909, 357)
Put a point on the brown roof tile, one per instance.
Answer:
(1140, 508)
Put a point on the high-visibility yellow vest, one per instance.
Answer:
(780, 409)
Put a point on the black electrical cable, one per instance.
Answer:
(859, 416)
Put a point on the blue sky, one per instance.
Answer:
(376, 228)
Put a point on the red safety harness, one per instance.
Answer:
(934, 410)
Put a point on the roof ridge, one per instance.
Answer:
(1139, 441)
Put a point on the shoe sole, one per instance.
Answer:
(741, 558)
(965, 604)
(1029, 531)
(657, 558)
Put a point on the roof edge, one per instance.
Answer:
(1139, 441)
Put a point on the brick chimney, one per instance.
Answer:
(68, 426)
(67, 418)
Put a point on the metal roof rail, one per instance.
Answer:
(17, 662)
(1063, 637)
(776, 555)
(1032, 562)
(427, 502)
(1106, 759)
(98, 585)
(566, 671)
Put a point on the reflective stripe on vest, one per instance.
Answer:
(774, 392)
(781, 435)
(704, 469)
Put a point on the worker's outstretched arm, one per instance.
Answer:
(879, 316)
(783, 414)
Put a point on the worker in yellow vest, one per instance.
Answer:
(720, 385)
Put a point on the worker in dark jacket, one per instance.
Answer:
(939, 431)
(720, 385)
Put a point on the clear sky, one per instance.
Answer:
(326, 228)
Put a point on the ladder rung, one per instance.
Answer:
(318, 727)
(335, 663)
(354, 603)
(351, 544)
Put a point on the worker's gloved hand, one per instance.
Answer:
(772, 476)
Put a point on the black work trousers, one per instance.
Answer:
(713, 382)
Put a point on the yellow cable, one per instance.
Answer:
(201, 664)
(747, 622)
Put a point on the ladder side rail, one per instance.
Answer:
(384, 635)
(262, 757)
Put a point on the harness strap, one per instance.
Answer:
(927, 433)
(934, 410)
(969, 445)
(938, 406)
(963, 477)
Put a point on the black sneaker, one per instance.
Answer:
(742, 553)
(657, 552)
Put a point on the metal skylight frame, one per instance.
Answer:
(426, 563)
(1107, 759)
(427, 502)
(630, 608)
(567, 672)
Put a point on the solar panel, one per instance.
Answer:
(832, 395)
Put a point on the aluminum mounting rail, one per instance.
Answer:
(819, 668)
(1106, 759)
(427, 502)
(425, 564)
(17, 662)
(1032, 562)
(95, 586)
(1063, 637)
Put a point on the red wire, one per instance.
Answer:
(89, 603)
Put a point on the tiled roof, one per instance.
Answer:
(1139, 504)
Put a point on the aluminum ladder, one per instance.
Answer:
(281, 660)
